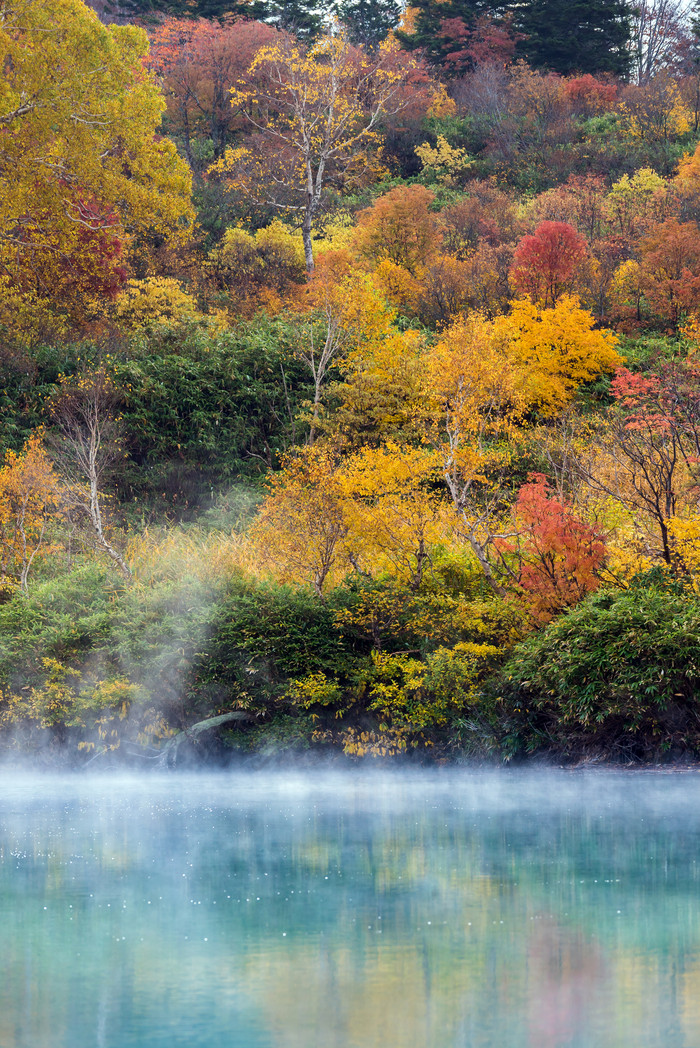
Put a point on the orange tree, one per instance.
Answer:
(30, 498)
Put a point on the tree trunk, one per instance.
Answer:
(306, 227)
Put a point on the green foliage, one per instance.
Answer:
(581, 36)
(266, 636)
(616, 676)
(100, 629)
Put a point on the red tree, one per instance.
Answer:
(546, 261)
(671, 269)
(199, 62)
(559, 555)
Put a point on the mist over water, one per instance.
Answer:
(348, 910)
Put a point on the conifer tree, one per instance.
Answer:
(575, 36)
(367, 22)
(436, 22)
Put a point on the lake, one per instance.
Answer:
(350, 910)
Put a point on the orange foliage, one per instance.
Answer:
(589, 96)
(671, 269)
(399, 227)
(559, 556)
(199, 62)
(29, 500)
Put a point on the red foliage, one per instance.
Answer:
(560, 556)
(589, 96)
(199, 62)
(671, 269)
(485, 43)
(546, 261)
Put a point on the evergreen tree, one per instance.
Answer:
(218, 10)
(575, 36)
(368, 21)
(441, 27)
(303, 18)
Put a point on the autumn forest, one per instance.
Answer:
(350, 396)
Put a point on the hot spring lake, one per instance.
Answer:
(323, 910)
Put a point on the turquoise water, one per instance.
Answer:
(351, 911)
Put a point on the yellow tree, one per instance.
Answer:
(314, 116)
(29, 499)
(394, 513)
(82, 166)
(554, 351)
(348, 321)
(301, 529)
(475, 399)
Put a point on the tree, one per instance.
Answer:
(545, 263)
(314, 115)
(648, 448)
(30, 498)
(86, 446)
(394, 511)
(153, 10)
(399, 227)
(343, 313)
(670, 269)
(301, 18)
(80, 155)
(368, 22)
(455, 34)
(553, 351)
(474, 402)
(656, 29)
(559, 556)
(199, 62)
(634, 202)
(580, 36)
(655, 112)
(302, 527)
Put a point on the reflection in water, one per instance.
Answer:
(281, 911)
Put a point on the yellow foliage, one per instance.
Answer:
(81, 158)
(636, 199)
(336, 235)
(358, 743)
(554, 351)
(103, 712)
(30, 498)
(399, 286)
(444, 162)
(626, 286)
(394, 514)
(382, 396)
(156, 300)
(473, 386)
(315, 111)
(301, 529)
(685, 536)
(412, 695)
(688, 177)
(669, 118)
(442, 105)
(316, 689)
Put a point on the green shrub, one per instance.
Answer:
(619, 675)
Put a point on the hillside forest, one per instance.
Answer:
(350, 394)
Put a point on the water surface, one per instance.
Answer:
(287, 910)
